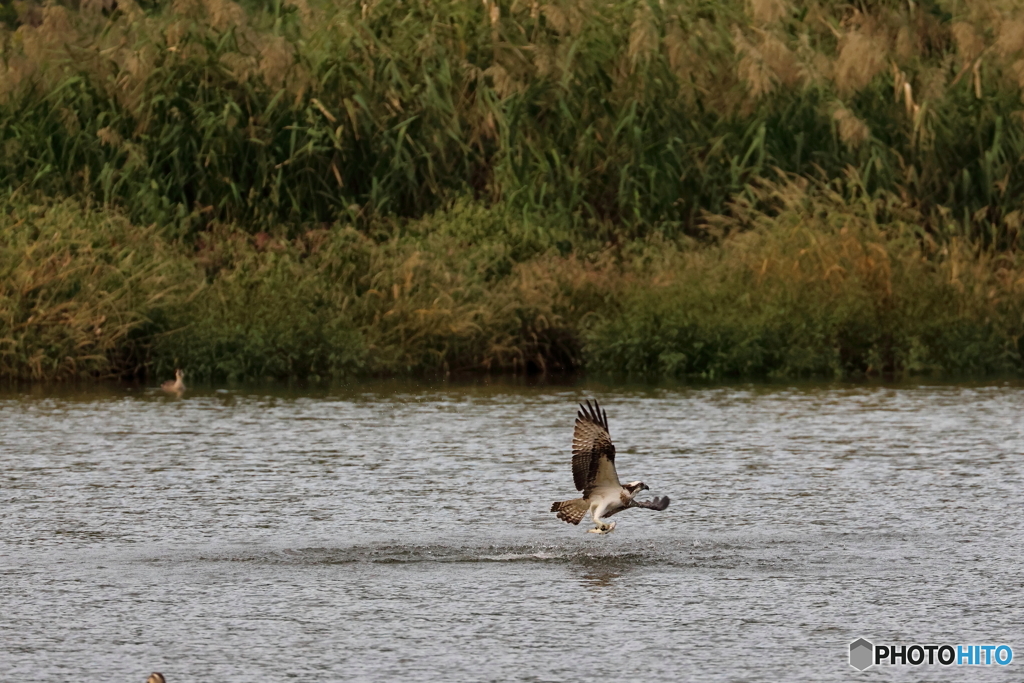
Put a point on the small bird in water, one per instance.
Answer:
(593, 472)
(157, 677)
(177, 386)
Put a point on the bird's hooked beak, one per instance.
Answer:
(645, 487)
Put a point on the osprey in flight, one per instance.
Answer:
(593, 471)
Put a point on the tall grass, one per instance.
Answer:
(467, 289)
(831, 281)
(632, 114)
(314, 188)
(80, 291)
(828, 280)
(84, 293)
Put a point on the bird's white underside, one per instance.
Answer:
(605, 500)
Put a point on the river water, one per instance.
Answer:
(401, 532)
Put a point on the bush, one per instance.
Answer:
(80, 290)
(817, 286)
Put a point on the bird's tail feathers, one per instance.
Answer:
(571, 511)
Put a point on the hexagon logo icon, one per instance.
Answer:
(861, 654)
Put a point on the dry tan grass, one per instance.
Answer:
(766, 63)
(643, 36)
(1009, 43)
(752, 68)
(852, 131)
(224, 14)
(768, 11)
(862, 56)
(969, 43)
(276, 57)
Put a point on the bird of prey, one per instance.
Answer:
(593, 472)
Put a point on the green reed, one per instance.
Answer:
(634, 114)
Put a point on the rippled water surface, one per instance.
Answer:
(396, 532)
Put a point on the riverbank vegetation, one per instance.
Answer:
(313, 189)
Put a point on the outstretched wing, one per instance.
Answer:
(656, 504)
(593, 454)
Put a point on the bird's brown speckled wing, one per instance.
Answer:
(593, 454)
